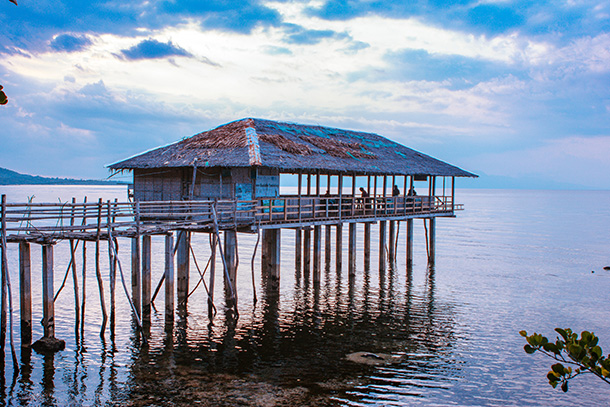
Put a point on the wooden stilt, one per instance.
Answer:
(298, 252)
(317, 253)
(74, 274)
(339, 247)
(112, 268)
(306, 253)
(25, 297)
(136, 276)
(4, 277)
(391, 243)
(230, 253)
(409, 242)
(169, 280)
(182, 265)
(84, 274)
(146, 276)
(98, 271)
(48, 307)
(367, 246)
(382, 246)
(352, 249)
(327, 246)
(432, 237)
(213, 244)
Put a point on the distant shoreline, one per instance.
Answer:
(9, 177)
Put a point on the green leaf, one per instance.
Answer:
(562, 332)
(529, 350)
(558, 368)
(523, 333)
(564, 387)
(597, 351)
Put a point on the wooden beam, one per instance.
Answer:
(25, 293)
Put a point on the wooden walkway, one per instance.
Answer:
(46, 223)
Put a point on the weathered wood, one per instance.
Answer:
(74, 274)
(25, 297)
(213, 244)
(169, 280)
(306, 253)
(98, 271)
(112, 263)
(84, 274)
(382, 246)
(352, 249)
(391, 243)
(182, 264)
(327, 245)
(317, 253)
(48, 307)
(272, 249)
(230, 253)
(4, 271)
(367, 246)
(339, 248)
(146, 276)
(409, 242)
(298, 251)
(432, 237)
(136, 276)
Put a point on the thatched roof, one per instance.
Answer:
(291, 148)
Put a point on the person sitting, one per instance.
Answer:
(364, 193)
(395, 191)
(412, 192)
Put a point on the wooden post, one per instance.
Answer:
(136, 281)
(391, 243)
(385, 191)
(212, 276)
(339, 247)
(146, 275)
(112, 262)
(169, 279)
(306, 253)
(327, 246)
(182, 265)
(382, 242)
(432, 233)
(340, 196)
(25, 297)
(409, 242)
(230, 253)
(317, 253)
(352, 249)
(4, 289)
(271, 256)
(367, 246)
(74, 274)
(48, 306)
(298, 251)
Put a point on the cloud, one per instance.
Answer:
(70, 42)
(299, 35)
(153, 49)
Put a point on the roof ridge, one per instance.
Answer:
(254, 150)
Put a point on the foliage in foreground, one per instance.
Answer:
(3, 98)
(582, 353)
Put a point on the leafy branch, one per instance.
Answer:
(582, 353)
(3, 98)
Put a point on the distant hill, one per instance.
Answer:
(8, 177)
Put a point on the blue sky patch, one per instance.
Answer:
(153, 49)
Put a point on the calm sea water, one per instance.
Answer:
(512, 260)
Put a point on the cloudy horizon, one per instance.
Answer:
(515, 91)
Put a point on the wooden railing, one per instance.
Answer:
(93, 220)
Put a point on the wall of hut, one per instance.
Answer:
(174, 184)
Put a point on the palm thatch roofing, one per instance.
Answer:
(292, 148)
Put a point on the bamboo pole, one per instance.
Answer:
(111, 269)
(98, 272)
(74, 274)
(84, 273)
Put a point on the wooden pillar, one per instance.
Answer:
(182, 266)
(230, 252)
(352, 249)
(327, 246)
(409, 242)
(317, 253)
(306, 253)
(146, 275)
(367, 246)
(48, 306)
(169, 279)
(382, 241)
(25, 297)
(271, 254)
(432, 246)
(391, 240)
(298, 251)
(339, 248)
(212, 275)
(136, 281)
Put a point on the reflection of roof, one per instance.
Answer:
(292, 147)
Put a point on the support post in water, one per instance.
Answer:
(306, 253)
(272, 249)
(25, 297)
(367, 246)
(169, 280)
(409, 242)
(352, 249)
(298, 252)
(136, 281)
(391, 247)
(213, 244)
(146, 276)
(327, 246)
(339, 248)
(432, 237)
(382, 244)
(317, 253)
(230, 253)
(182, 263)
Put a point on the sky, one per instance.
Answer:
(517, 92)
